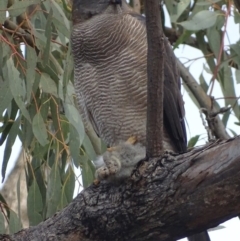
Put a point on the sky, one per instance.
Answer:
(231, 230)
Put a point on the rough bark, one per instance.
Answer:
(155, 71)
(165, 199)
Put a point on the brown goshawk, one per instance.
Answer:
(110, 56)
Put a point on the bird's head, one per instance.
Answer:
(83, 10)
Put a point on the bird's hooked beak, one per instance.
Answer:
(116, 2)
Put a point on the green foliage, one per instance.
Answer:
(201, 20)
(34, 204)
(14, 223)
(193, 141)
(204, 25)
(37, 104)
(37, 99)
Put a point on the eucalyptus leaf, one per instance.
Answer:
(59, 19)
(3, 6)
(5, 95)
(193, 141)
(214, 39)
(233, 132)
(39, 174)
(31, 58)
(48, 85)
(2, 224)
(9, 144)
(53, 190)
(74, 145)
(75, 119)
(68, 71)
(39, 129)
(69, 184)
(237, 75)
(14, 223)
(203, 83)
(201, 20)
(207, 2)
(34, 204)
(19, 7)
(4, 206)
(17, 87)
(184, 36)
(19, 196)
(236, 17)
(178, 8)
(227, 85)
(225, 118)
(48, 34)
(87, 173)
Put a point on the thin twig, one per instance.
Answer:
(227, 14)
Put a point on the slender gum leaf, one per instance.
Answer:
(75, 119)
(14, 223)
(39, 129)
(2, 224)
(3, 8)
(31, 58)
(5, 95)
(19, 7)
(19, 196)
(74, 145)
(17, 87)
(201, 20)
(48, 85)
(193, 141)
(9, 143)
(48, 35)
(87, 173)
(53, 190)
(34, 204)
(177, 9)
(68, 187)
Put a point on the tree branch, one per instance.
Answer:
(169, 199)
(214, 122)
(21, 33)
(155, 70)
(173, 36)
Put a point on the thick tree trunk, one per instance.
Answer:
(165, 199)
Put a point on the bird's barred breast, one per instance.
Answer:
(111, 76)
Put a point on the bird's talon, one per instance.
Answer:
(132, 140)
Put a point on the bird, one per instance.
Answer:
(110, 59)
(109, 46)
